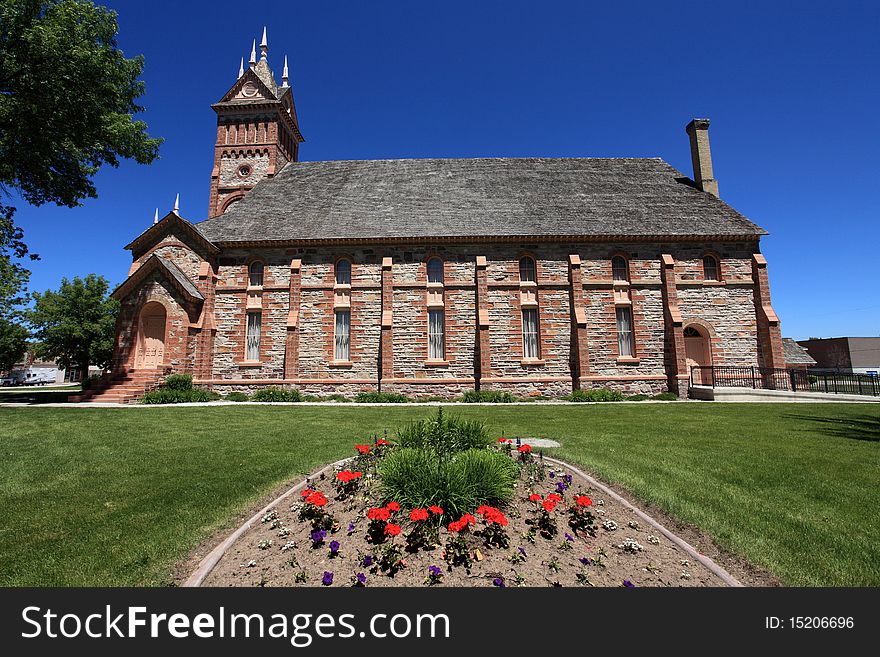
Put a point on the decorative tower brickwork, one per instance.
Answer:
(257, 131)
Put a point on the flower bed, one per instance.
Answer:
(556, 530)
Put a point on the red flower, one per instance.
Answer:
(436, 510)
(418, 514)
(583, 500)
(524, 449)
(392, 506)
(554, 497)
(534, 497)
(347, 475)
(457, 526)
(392, 529)
(306, 492)
(379, 513)
(316, 498)
(363, 449)
(549, 505)
(382, 442)
(492, 515)
(503, 440)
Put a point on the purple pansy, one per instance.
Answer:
(327, 580)
(334, 547)
(499, 582)
(585, 560)
(368, 561)
(362, 579)
(561, 487)
(628, 584)
(434, 571)
(568, 537)
(523, 551)
(350, 528)
(318, 536)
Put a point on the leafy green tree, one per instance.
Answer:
(67, 99)
(13, 275)
(13, 343)
(76, 324)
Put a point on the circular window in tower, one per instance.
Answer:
(249, 89)
(245, 170)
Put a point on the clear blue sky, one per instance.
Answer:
(792, 89)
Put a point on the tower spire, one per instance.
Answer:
(264, 46)
(253, 59)
(156, 217)
(241, 68)
(284, 76)
(177, 204)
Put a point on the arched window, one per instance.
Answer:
(435, 270)
(710, 268)
(619, 268)
(691, 332)
(528, 272)
(255, 274)
(343, 272)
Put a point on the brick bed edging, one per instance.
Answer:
(208, 564)
(728, 579)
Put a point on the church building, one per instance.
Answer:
(432, 277)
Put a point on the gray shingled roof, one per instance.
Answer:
(795, 354)
(152, 263)
(476, 198)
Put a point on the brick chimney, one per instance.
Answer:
(698, 130)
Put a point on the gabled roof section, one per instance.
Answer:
(250, 88)
(156, 262)
(565, 198)
(795, 354)
(167, 224)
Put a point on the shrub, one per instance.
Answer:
(277, 395)
(179, 382)
(172, 396)
(666, 396)
(237, 397)
(487, 397)
(595, 395)
(444, 435)
(458, 483)
(639, 397)
(381, 398)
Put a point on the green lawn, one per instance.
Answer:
(117, 496)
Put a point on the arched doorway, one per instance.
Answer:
(698, 352)
(151, 336)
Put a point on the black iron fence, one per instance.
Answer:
(771, 378)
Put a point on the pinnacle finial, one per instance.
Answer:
(177, 204)
(253, 60)
(241, 68)
(264, 46)
(156, 217)
(284, 75)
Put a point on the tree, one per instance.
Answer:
(76, 325)
(13, 343)
(13, 276)
(67, 99)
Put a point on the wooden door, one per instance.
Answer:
(698, 354)
(152, 342)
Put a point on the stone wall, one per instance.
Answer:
(726, 306)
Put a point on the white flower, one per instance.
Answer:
(630, 545)
(609, 525)
(653, 540)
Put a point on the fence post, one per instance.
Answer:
(859, 379)
(825, 381)
(753, 379)
(712, 370)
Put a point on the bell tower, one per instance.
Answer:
(257, 131)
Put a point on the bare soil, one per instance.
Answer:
(569, 558)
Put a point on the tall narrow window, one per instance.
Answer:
(343, 272)
(254, 326)
(255, 274)
(710, 268)
(435, 270)
(624, 333)
(343, 335)
(619, 268)
(527, 271)
(530, 333)
(436, 334)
